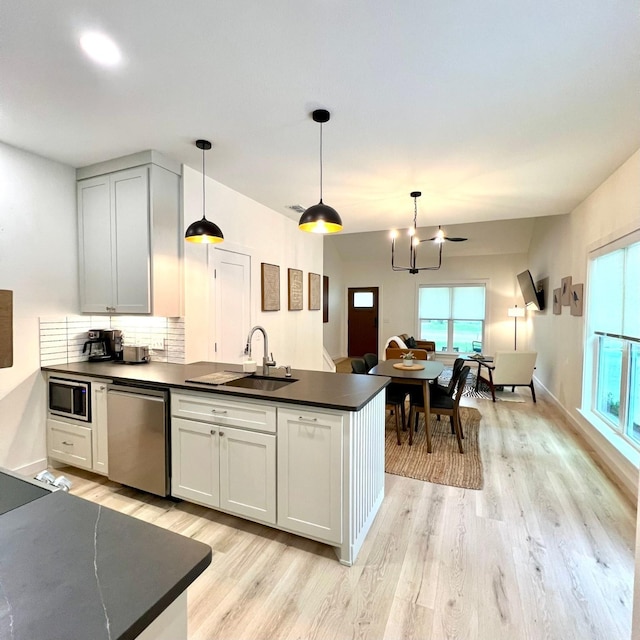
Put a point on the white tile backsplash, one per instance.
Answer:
(62, 338)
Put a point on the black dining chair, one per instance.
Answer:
(444, 405)
(358, 366)
(371, 360)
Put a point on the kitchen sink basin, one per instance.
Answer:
(261, 383)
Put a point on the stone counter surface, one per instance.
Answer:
(71, 569)
(342, 391)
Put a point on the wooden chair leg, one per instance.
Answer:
(456, 421)
(533, 391)
(412, 410)
(404, 417)
(427, 431)
(453, 429)
(397, 425)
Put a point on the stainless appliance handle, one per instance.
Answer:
(136, 395)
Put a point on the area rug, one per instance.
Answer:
(445, 465)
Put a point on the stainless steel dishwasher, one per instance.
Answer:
(138, 440)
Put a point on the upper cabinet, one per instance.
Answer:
(130, 240)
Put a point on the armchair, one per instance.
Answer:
(510, 369)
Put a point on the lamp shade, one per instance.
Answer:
(204, 232)
(515, 312)
(320, 218)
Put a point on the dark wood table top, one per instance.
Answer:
(432, 369)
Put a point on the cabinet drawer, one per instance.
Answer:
(69, 443)
(216, 409)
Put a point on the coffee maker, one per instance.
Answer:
(114, 340)
(96, 346)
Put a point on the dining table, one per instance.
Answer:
(422, 372)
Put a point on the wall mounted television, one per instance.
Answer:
(533, 298)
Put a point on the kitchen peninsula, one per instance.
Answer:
(303, 454)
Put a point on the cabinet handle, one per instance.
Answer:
(213, 432)
(221, 433)
(307, 419)
(218, 411)
(69, 444)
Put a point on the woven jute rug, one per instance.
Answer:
(445, 465)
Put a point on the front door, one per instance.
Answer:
(362, 321)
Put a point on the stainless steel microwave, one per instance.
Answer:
(70, 398)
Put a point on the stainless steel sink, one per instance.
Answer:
(260, 383)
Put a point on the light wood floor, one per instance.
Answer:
(545, 550)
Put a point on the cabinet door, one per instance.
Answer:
(195, 453)
(99, 441)
(310, 473)
(129, 191)
(248, 473)
(95, 248)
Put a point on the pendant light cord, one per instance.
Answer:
(321, 162)
(204, 177)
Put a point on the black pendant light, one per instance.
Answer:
(320, 218)
(203, 231)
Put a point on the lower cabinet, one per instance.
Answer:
(99, 443)
(69, 442)
(224, 467)
(310, 473)
(82, 444)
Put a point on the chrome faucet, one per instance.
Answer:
(267, 360)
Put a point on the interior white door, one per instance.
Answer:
(232, 305)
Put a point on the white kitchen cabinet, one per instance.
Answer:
(69, 442)
(222, 466)
(129, 238)
(195, 461)
(310, 473)
(99, 443)
(248, 473)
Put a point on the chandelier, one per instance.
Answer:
(414, 242)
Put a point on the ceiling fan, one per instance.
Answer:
(440, 237)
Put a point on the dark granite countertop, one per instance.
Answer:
(73, 569)
(343, 391)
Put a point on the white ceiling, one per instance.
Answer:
(494, 110)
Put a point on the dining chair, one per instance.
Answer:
(442, 405)
(370, 360)
(358, 366)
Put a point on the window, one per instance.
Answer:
(453, 317)
(614, 330)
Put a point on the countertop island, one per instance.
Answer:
(303, 454)
(342, 391)
(73, 569)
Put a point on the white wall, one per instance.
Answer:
(559, 248)
(38, 261)
(295, 337)
(333, 331)
(399, 293)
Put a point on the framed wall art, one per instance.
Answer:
(565, 293)
(270, 280)
(577, 301)
(557, 301)
(314, 291)
(325, 298)
(296, 302)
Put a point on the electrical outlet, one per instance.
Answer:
(157, 344)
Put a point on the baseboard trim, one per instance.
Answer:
(613, 463)
(32, 469)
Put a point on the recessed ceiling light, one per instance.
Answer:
(100, 48)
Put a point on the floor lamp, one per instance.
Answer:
(515, 313)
